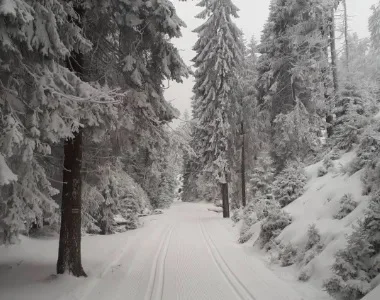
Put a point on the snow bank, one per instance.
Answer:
(27, 270)
(374, 295)
(318, 205)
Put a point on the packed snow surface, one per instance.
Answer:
(188, 252)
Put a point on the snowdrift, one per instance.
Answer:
(319, 205)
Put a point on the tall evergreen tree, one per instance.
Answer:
(219, 54)
(59, 67)
(292, 74)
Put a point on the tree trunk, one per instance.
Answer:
(334, 67)
(333, 51)
(226, 204)
(346, 34)
(69, 253)
(243, 195)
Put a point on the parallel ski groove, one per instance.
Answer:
(238, 286)
(156, 281)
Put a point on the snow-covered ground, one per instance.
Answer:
(318, 205)
(188, 252)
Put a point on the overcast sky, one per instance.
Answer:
(253, 14)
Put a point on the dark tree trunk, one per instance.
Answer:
(243, 195)
(334, 67)
(69, 253)
(226, 204)
(333, 51)
(346, 34)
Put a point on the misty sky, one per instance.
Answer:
(253, 14)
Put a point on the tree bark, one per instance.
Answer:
(226, 204)
(69, 253)
(243, 195)
(334, 67)
(333, 51)
(346, 34)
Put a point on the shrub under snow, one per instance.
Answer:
(348, 204)
(289, 184)
(272, 226)
(358, 264)
(312, 248)
(109, 192)
(288, 255)
(255, 211)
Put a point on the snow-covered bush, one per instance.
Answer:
(248, 219)
(289, 184)
(351, 280)
(371, 177)
(328, 163)
(335, 154)
(237, 215)
(304, 274)
(350, 111)
(272, 226)
(288, 255)
(313, 237)
(255, 211)
(245, 233)
(368, 150)
(262, 177)
(347, 205)
(264, 205)
(108, 192)
(313, 247)
(357, 265)
(322, 171)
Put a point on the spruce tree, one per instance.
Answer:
(219, 55)
(351, 116)
(292, 66)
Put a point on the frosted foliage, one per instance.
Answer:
(357, 265)
(292, 84)
(219, 53)
(351, 116)
(287, 255)
(348, 204)
(312, 248)
(237, 215)
(248, 220)
(43, 102)
(313, 237)
(109, 192)
(262, 177)
(374, 26)
(295, 135)
(350, 280)
(256, 210)
(289, 184)
(272, 226)
(6, 175)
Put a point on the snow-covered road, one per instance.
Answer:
(188, 253)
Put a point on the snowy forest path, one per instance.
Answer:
(187, 253)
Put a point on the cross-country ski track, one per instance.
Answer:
(187, 253)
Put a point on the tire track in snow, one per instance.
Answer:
(155, 288)
(259, 282)
(232, 279)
